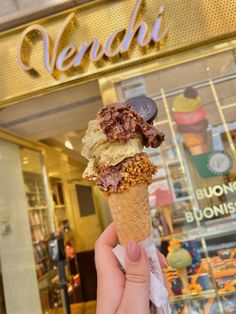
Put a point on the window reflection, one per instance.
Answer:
(193, 194)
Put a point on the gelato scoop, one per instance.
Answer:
(179, 258)
(113, 146)
(99, 151)
(184, 103)
(190, 118)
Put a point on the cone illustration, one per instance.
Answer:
(168, 218)
(197, 143)
(190, 118)
(164, 199)
(179, 258)
(130, 213)
(183, 275)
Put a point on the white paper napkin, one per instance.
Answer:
(158, 292)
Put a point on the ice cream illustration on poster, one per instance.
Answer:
(192, 125)
(190, 117)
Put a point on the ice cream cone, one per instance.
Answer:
(183, 275)
(130, 213)
(179, 258)
(168, 218)
(198, 149)
(194, 139)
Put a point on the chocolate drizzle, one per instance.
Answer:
(120, 123)
(110, 177)
(131, 171)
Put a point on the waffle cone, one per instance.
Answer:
(130, 213)
(198, 149)
(194, 139)
(183, 275)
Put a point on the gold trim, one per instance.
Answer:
(193, 21)
(20, 141)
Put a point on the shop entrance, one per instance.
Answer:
(33, 206)
(45, 178)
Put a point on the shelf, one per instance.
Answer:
(60, 206)
(226, 293)
(38, 208)
(37, 225)
(172, 162)
(51, 273)
(171, 236)
(178, 220)
(181, 199)
(194, 296)
(39, 261)
(168, 147)
(40, 241)
(190, 235)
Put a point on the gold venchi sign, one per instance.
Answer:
(72, 58)
(100, 37)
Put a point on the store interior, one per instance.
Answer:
(198, 209)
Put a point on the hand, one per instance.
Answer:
(120, 293)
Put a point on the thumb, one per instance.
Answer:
(135, 298)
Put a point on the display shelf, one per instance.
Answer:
(182, 199)
(38, 220)
(37, 225)
(39, 261)
(51, 273)
(60, 208)
(172, 162)
(38, 208)
(227, 230)
(40, 241)
(172, 236)
(226, 293)
(194, 296)
(198, 233)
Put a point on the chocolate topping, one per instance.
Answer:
(120, 123)
(129, 172)
(109, 177)
(190, 92)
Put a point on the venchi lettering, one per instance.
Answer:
(72, 57)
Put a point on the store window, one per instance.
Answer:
(193, 194)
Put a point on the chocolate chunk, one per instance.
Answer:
(190, 92)
(145, 106)
(130, 171)
(120, 122)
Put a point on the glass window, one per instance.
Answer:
(193, 193)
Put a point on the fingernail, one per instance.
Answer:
(133, 251)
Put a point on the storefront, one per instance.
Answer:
(184, 57)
